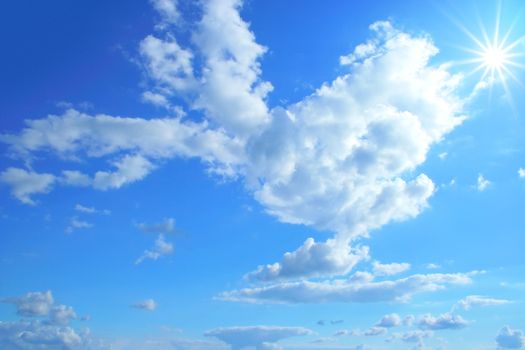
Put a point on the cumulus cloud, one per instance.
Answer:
(509, 338)
(343, 159)
(389, 269)
(148, 305)
(160, 249)
(478, 300)
(166, 226)
(521, 172)
(346, 291)
(25, 183)
(389, 321)
(32, 304)
(258, 337)
(51, 331)
(312, 259)
(445, 321)
(482, 183)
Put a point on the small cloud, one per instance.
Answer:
(389, 321)
(445, 321)
(91, 210)
(148, 305)
(75, 224)
(479, 300)
(166, 226)
(521, 173)
(432, 266)
(160, 249)
(482, 183)
(389, 269)
(443, 155)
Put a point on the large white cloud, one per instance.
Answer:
(343, 159)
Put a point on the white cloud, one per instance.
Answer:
(343, 159)
(33, 303)
(482, 183)
(168, 10)
(445, 321)
(75, 224)
(25, 183)
(161, 248)
(62, 315)
(75, 178)
(521, 172)
(389, 269)
(166, 226)
(346, 291)
(130, 168)
(313, 259)
(478, 300)
(509, 338)
(389, 321)
(370, 332)
(148, 305)
(432, 266)
(91, 210)
(260, 337)
(35, 334)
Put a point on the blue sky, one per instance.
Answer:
(239, 175)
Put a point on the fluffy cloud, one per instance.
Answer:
(166, 226)
(259, 337)
(478, 300)
(51, 333)
(25, 183)
(521, 172)
(32, 304)
(313, 259)
(482, 183)
(445, 321)
(389, 269)
(509, 338)
(160, 249)
(148, 305)
(389, 321)
(343, 159)
(347, 291)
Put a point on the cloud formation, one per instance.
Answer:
(346, 291)
(161, 249)
(478, 300)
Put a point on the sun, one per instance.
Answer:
(494, 58)
(496, 55)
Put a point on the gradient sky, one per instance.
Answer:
(231, 174)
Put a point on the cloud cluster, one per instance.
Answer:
(45, 325)
(343, 159)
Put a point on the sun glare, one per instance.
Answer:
(496, 55)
